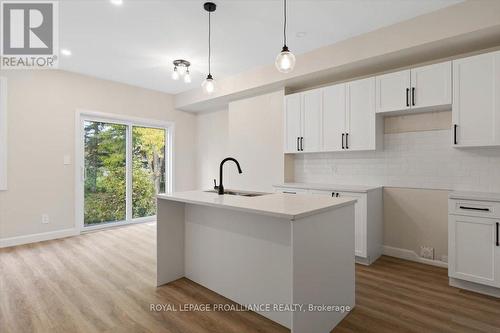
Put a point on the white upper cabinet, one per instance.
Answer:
(334, 117)
(293, 122)
(426, 88)
(393, 92)
(361, 123)
(311, 121)
(431, 85)
(476, 100)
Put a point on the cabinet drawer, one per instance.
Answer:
(474, 208)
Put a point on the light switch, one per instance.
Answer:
(67, 159)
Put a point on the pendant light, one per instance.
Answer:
(285, 61)
(209, 83)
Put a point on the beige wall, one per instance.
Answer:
(41, 127)
(416, 217)
(251, 131)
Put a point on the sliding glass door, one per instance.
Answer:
(105, 172)
(124, 165)
(148, 169)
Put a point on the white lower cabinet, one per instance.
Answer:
(474, 244)
(368, 220)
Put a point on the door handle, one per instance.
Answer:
(301, 143)
(298, 139)
(343, 134)
(408, 97)
(347, 141)
(455, 134)
(413, 96)
(498, 240)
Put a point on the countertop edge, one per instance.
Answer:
(328, 187)
(475, 196)
(290, 217)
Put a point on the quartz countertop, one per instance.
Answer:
(480, 196)
(282, 205)
(329, 187)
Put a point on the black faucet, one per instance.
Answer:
(220, 188)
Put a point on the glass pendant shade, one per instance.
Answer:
(175, 74)
(187, 77)
(208, 85)
(285, 61)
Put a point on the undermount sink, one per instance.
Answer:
(240, 193)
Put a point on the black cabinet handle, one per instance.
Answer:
(475, 208)
(413, 96)
(498, 240)
(455, 134)
(289, 192)
(347, 141)
(343, 134)
(333, 194)
(407, 96)
(298, 143)
(301, 143)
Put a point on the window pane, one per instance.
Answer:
(148, 173)
(105, 172)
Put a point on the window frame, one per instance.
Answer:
(130, 122)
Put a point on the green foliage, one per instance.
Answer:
(105, 164)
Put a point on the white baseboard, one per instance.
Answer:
(412, 256)
(33, 238)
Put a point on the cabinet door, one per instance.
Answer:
(473, 254)
(476, 94)
(334, 114)
(393, 91)
(361, 131)
(431, 85)
(311, 121)
(293, 122)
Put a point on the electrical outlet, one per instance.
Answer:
(45, 218)
(427, 252)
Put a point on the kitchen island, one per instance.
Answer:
(288, 257)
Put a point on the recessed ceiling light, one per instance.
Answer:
(117, 2)
(66, 52)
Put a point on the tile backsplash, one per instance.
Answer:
(414, 159)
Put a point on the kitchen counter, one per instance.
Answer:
(276, 249)
(329, 187)
(281, 205)
(480, 196)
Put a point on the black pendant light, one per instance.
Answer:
(209, 83)
(285, 61)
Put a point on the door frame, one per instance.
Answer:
(130, 121)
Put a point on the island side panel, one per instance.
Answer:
(170, 233)
(323, 267)
(243, 256)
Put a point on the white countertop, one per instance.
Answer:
(329, 187)
(480, 196)
(289, 206)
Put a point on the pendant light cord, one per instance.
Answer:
(209, 43)
(284, 23)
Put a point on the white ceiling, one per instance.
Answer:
(136, 42)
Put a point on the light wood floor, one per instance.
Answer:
(104, 282)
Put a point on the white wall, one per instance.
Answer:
(251, 131)
(41, 123)
(211, 146)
